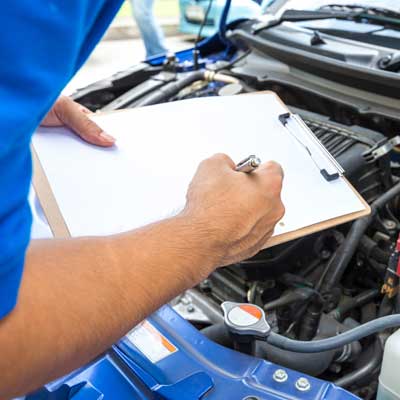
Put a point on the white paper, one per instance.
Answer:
(144, 177)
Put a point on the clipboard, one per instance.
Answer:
(59, 226)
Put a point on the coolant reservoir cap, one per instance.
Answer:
(245, 315)
(245, 319)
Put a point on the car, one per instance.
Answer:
(338, 68)
(193, 13)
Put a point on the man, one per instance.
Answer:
(152, 35)
(62, 302)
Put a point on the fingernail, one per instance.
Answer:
(107, 137)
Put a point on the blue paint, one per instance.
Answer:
(199, 369)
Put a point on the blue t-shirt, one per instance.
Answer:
(42, 44)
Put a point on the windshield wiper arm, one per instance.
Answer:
(303, 15)
(352, 13)
(372, 11)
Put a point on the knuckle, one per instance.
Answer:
(280, 210)
(275, 168)
(276, 185)
(63, 102)
(221, 157)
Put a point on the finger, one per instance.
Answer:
(223, 160)
(270, 167)
(72, 115)
(218, 161)
(85, 110)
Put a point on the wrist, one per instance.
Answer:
(197, 230)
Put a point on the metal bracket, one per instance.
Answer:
(380, 149)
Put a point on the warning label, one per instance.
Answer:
(151, 342)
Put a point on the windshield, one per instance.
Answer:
(393, 5)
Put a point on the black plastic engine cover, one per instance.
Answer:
(350, 146)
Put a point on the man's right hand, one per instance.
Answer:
(123, 278)
(238, 210)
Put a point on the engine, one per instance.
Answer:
(320, 285)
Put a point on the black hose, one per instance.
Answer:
(397, 304)
(355, 302)
(171, 89)
(311, 364)
(334, 342)
(346, 251)
(386, 307)
(365, 371)
(292, 296)
(371, 249)
(218, 333)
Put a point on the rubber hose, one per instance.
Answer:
(171, 89)
(311, 364)
(292, 296)
(365, 371)
(371, 249)
(347, 249)
(397, 303)
(386, 306)
(357, 301)
(355, 334)
(218, 333)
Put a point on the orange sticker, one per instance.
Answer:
(151, 342)
(254, 311)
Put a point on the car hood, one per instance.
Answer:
(393, 5)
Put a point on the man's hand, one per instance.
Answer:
(95, 289)
(238, 210)
(69, 113)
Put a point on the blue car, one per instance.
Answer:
(338, 68)
(193, 12)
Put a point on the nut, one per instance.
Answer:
(303, 384)
(280, 375)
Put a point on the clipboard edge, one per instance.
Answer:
(47, 199)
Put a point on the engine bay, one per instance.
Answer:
(329, 282)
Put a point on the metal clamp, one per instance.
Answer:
(380, 149)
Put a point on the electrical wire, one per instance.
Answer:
(198, 38)
(223, 22)
(203, 23)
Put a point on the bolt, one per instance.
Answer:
(303, 384)
(190, 308)
(205, 285)
(389, 224)
(325, 254)
(280, 376)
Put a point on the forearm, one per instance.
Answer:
(79, 296)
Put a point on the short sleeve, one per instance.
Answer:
(15, 222)
(42, 44)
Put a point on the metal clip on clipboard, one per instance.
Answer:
(329, 168)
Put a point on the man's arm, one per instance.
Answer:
(79, 296)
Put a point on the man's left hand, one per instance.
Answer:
(67, 112)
